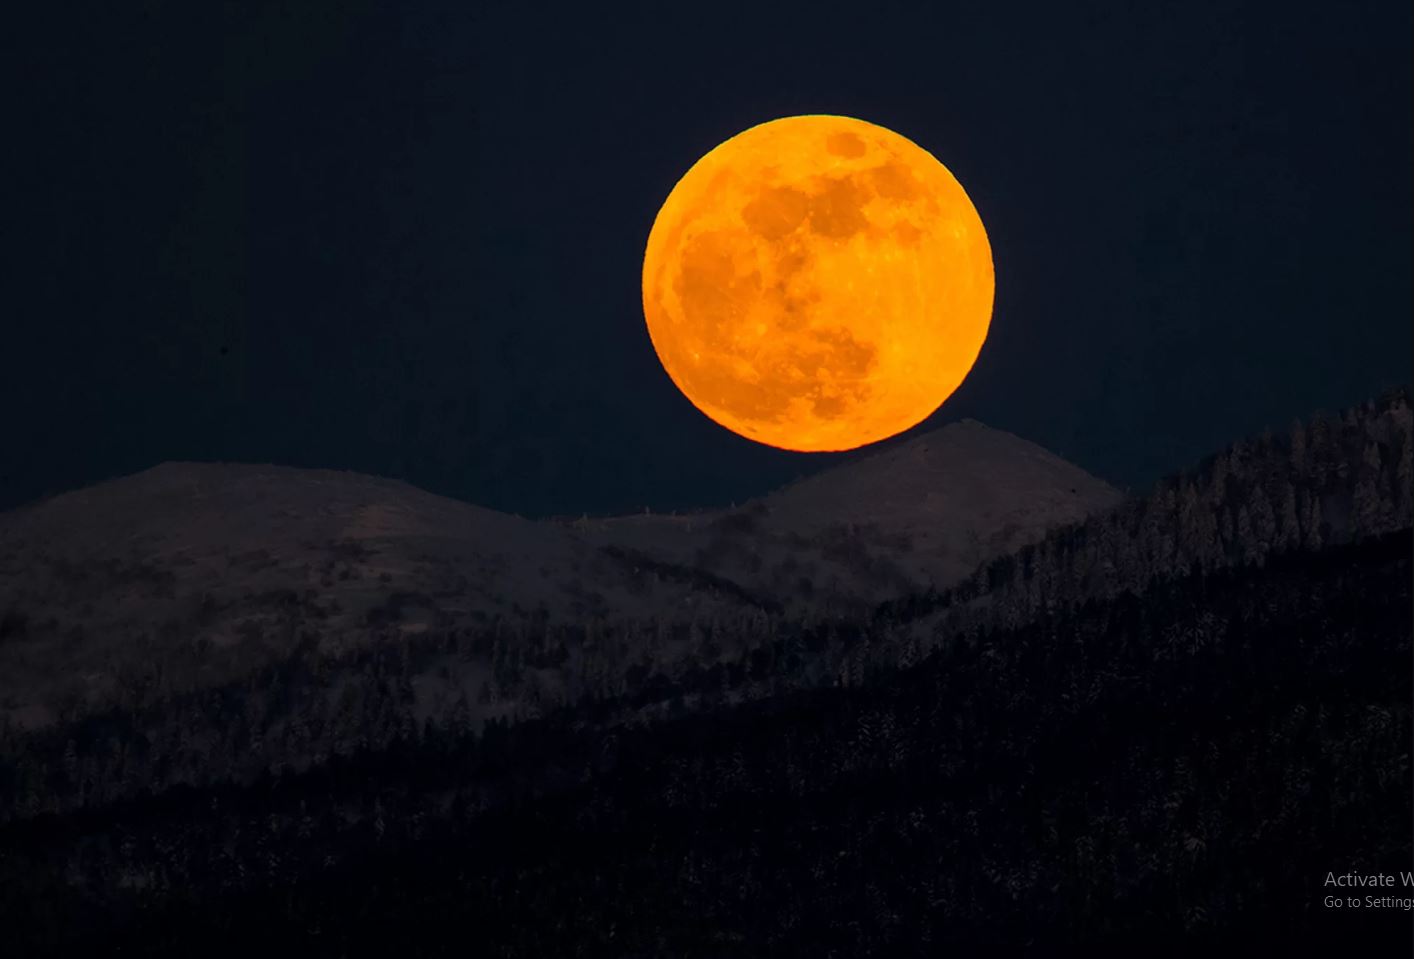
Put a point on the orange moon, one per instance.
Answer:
(817, 283)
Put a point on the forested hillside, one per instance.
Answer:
(1113, 775)
(1164, 724)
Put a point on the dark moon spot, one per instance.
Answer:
(894, 181)
(711, 284)
(837, 211)
(719, 385)
(849, 358)
(906, 233)
(844, 145)
(776, 211)
(827, 407)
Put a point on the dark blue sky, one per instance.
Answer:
(409, 243)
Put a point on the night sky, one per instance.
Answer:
(409, 243)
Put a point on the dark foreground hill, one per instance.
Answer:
(1163, 725)
(1121, 775)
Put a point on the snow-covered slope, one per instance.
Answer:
(923, 512)
(216, 568)
(189, 575)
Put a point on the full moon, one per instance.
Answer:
(817, 283)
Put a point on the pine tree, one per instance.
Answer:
(1246, 537)
(1158, 520)
(1189, 532)
(1323, 450)
(1227, 534)
(1263, 523)
(1404, 481)
(1298, 446)
(1217, 481)
(1311, 525)
(1288, 524)
(1372, 511)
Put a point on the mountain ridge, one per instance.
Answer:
(919, 513)
(214, 568)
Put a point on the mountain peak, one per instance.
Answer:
(962, 474)
(924, 511)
